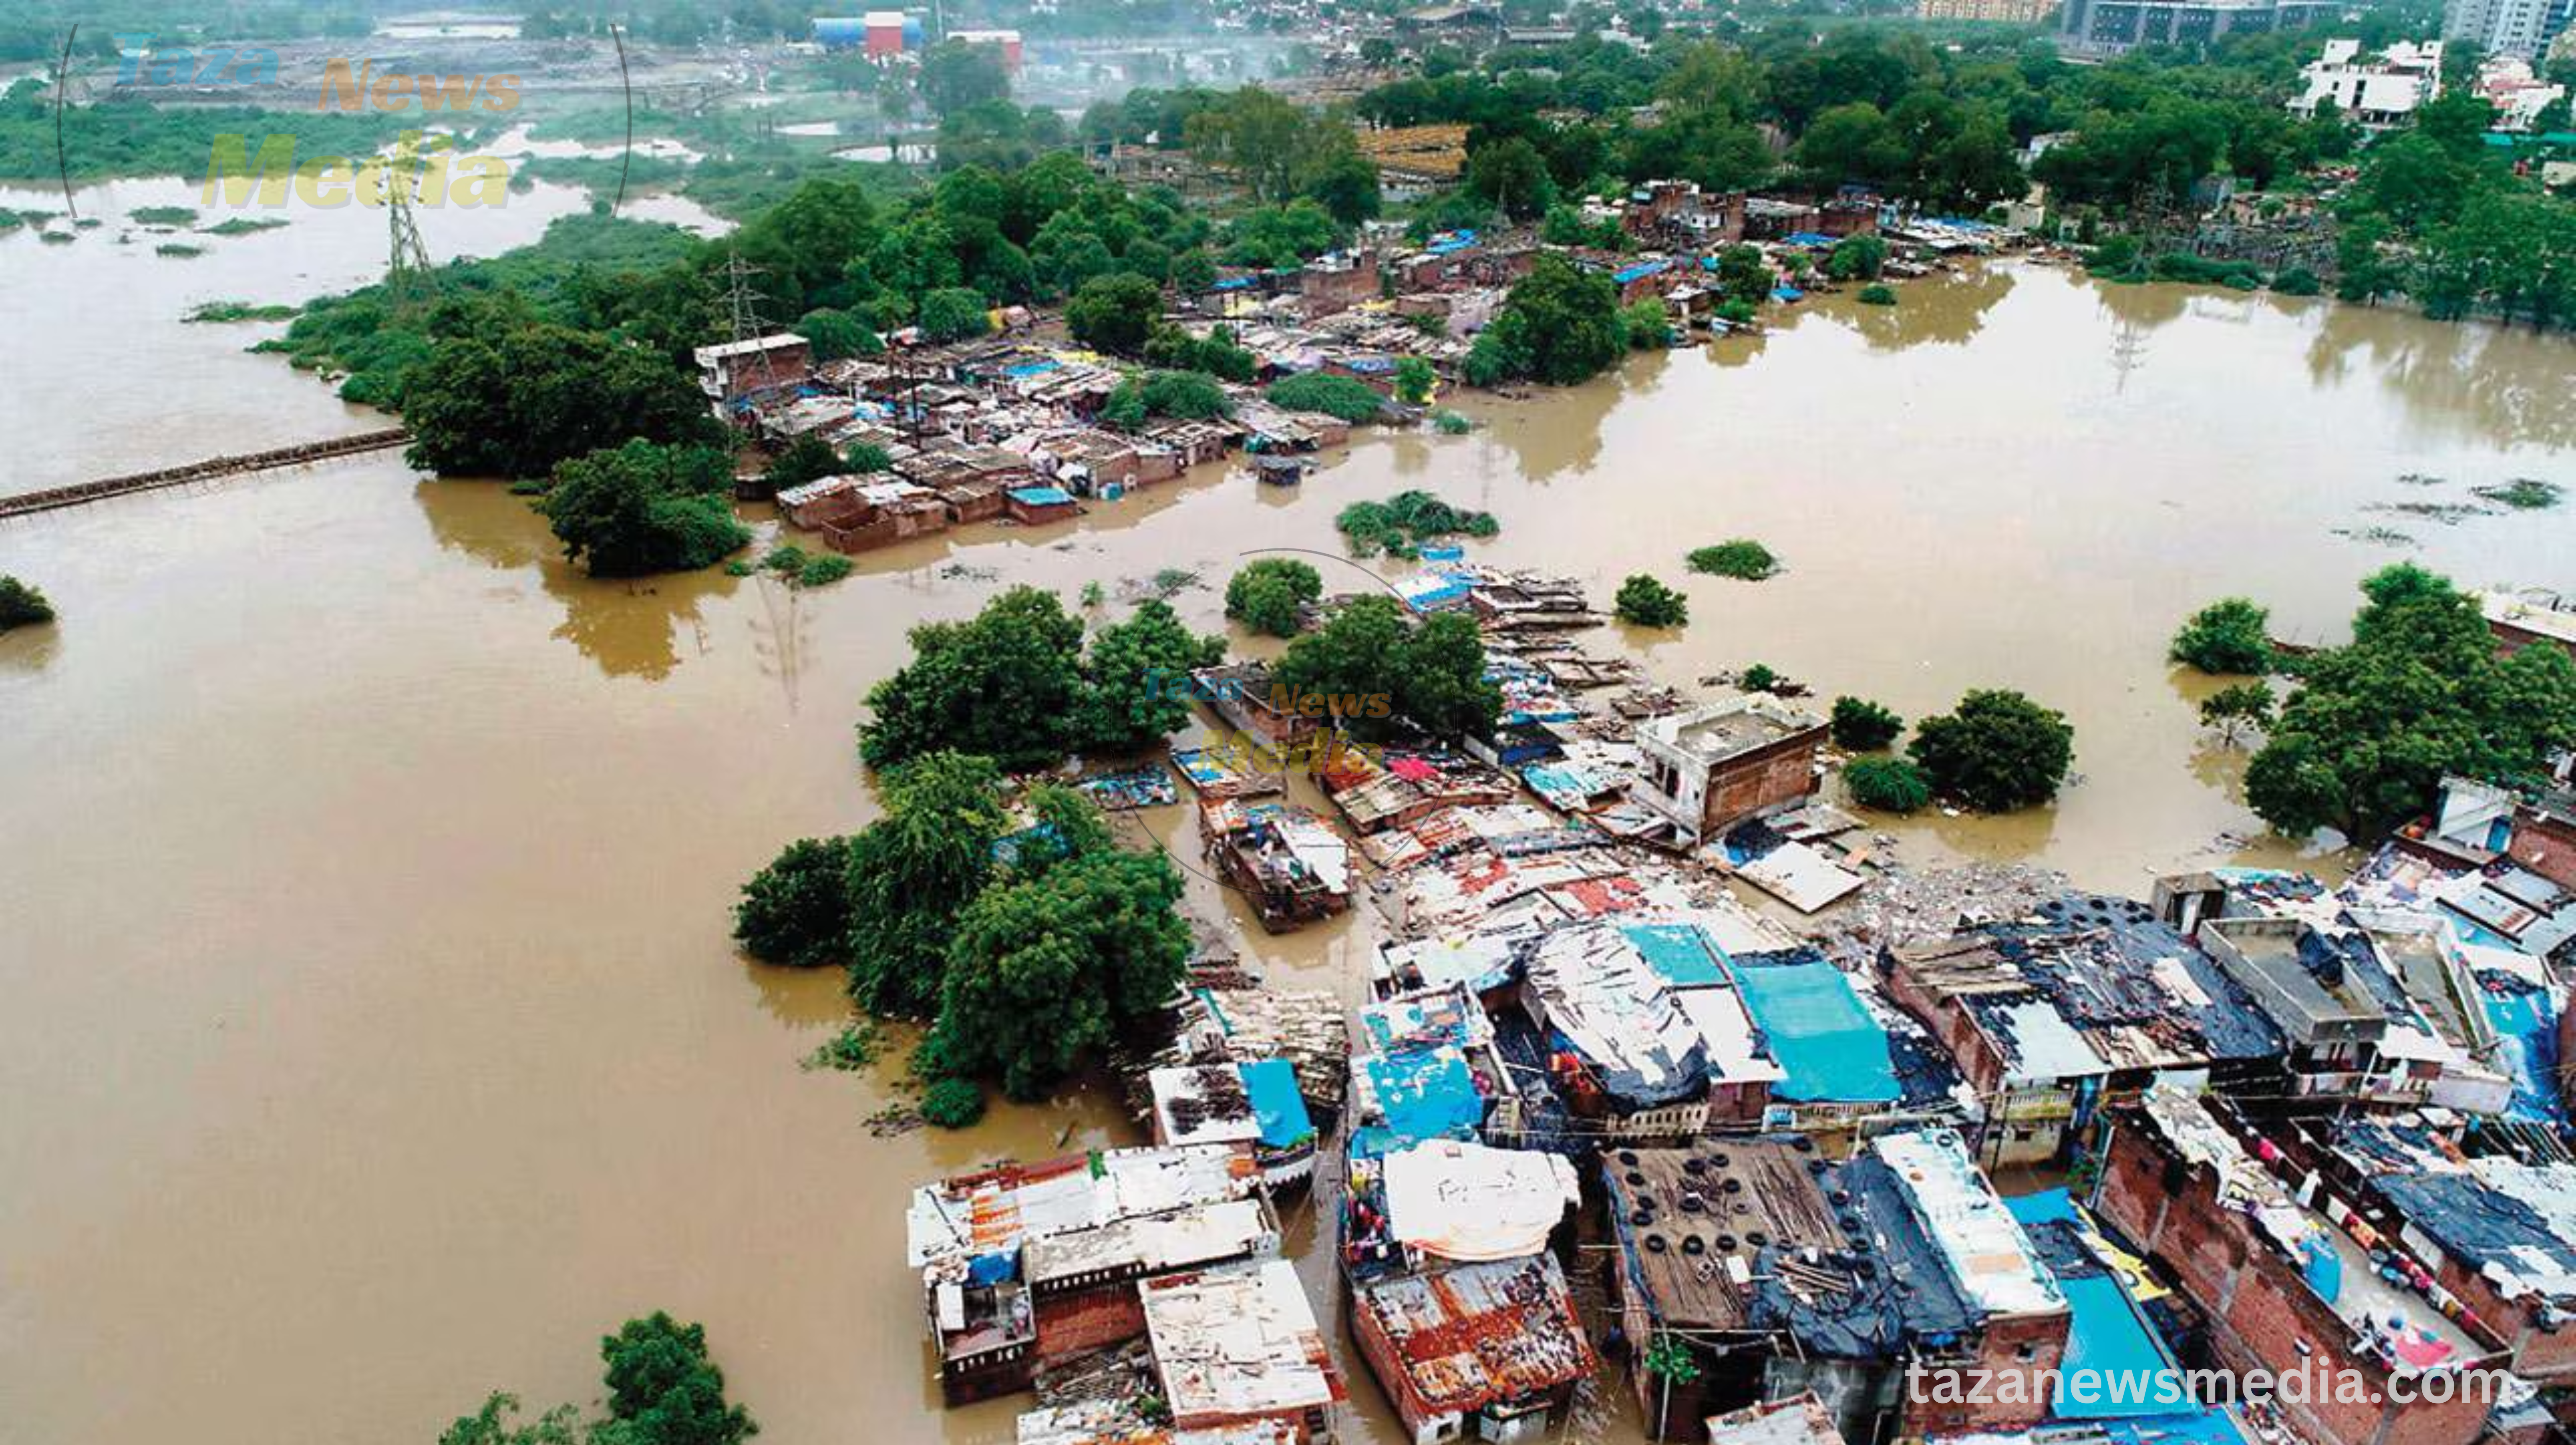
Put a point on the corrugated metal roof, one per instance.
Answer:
(1474, 1335)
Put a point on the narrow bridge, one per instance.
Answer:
(73, 496)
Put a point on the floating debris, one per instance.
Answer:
(2527, 494)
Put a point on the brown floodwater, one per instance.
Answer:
(371, 1035)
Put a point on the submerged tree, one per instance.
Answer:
(1996, 752)
(22, 605)
(796, 911)
(911, 873)
(2364, 742)
(643, 508)
(2231, 635)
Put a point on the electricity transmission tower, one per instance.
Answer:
(407, 272)
(742, 305)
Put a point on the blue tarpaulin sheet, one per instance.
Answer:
(1451, 553)
(2127, 1371)
(1639, 272)
(1271, 1085)
(1831, 1049)
(1680, 952)
(1787, 293)
(1040, 496)
(1810, 238)
(1032, 368)
(2526, 1028)
(1423, 1094)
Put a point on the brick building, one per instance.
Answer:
(2180, 1184)
(1238, 1349)
(1337, 282)
(1706, 770)
(1027, 1263)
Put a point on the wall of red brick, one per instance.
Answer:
(2546, 848)
(2261, 1311)
(1089, 1320)
(1762, 780)
(1951, 1025)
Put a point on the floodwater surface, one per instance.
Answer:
(369, 1027)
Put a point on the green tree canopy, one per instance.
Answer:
(2364, 742)
(1114, 313)
(664, 1390)
(1346, 397)
(1560, 325)
(1645, 602)
(912, 871)
(22, 605)
(1862, 726)
(1128, 699)
(2231, 635)
(1267, 593)
(1045, 972)
(1001, 685)
(642, 508)
(796, 911)
(517, 403)
(1996, 752)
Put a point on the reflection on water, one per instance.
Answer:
(372, 990)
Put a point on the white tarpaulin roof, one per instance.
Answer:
(1471, 1202)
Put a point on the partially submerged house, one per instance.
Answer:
(1756, 1269)
(1708, 769)
(1645, 1031)
(1238, 1349)
(1025, 1263)
(1255, 1104)
(1290, 864)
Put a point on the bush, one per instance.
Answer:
(1349, 398)
(1891, 785)
(952, 1103)
(1451, 424)
(796, 911)
(1400, 524)
(1856, 258)
(1414, 381)
(1760, 677)
(1996, 752)
(2231, 635)
(1266, 595)
(1875, 294)
(2298, 281)
(1862, 726)
(954, 313)
(1646, 602)
(2115, 255)
(1743, 559)
(1648, 325)
(22, 605)
(823, 570)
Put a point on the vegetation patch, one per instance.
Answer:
(1400, 525)
(239, 311)
(243, 226)
(22, 605)
(2527, 493)
(1862, 726)
(1346, 397)
(1743, 559)
(178, 250)
(1876, 294)
(1269, 594)
(1997, 751)
(1645, 602)
(1891, 785)
(2231, 635)
(854, 1048)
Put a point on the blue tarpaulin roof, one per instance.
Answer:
(1680, 952)
(1809, 238)
(1639, 271)
(1423, 1094)
(2125, 1371)
(1455, 241)
(1271, 1085)
(1831, 1049)
(2528, 1032)
(1040, 496)
(1787, 293)
(1032, 368)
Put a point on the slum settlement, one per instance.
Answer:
(1858, 1154)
